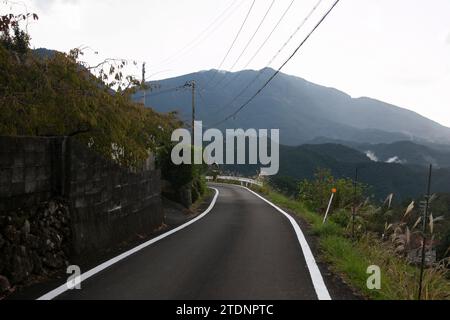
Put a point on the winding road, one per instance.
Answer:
(242, 248)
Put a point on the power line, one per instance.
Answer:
(235, 39)
(219, 20)
(260, 73)
(251, 39)
(282, 66)
(156, 73)
(263, 44)
(296, 31)
(173, 89)
(199, 91)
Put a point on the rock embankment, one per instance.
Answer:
(34, 243)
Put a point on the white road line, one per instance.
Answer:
(60, 290)
(316, 276)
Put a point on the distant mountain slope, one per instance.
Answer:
(44, 53)
(405, 181)
(338, 152)
(406, 152)
(301, 110)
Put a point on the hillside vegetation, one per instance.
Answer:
(55, 96)
(48, 93)
(384, 235)
(406, 181)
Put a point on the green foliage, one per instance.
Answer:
(316, 193)
(181, 175)
(284, 184)
(341, 218)
(18, 41)
(12, 37)
(110, 72)
(59, 95)
(405, 181)
(55, 96)
(198, 187)
(399, 279)
(440, 207)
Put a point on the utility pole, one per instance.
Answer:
(192, 85)
(143, 83)
(424, 230)
(193, 110)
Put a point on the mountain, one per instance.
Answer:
(44, 53)
(404, 152)
(303, 111)
(297, 163)
(407, 152)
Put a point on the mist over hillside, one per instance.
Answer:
(297, 163)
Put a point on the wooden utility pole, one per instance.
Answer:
(193, 110)
(191, 84)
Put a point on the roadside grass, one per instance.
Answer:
(350, 259)
(201, 200)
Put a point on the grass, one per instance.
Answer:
(201, 200)
(350, 259)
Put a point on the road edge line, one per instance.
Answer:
(314, 271)
(63, 288)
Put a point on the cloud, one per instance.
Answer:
(395, 160)
(371, 155)
(47, 4)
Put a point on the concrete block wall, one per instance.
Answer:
(108, 204)
(26, 167)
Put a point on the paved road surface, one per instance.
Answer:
(243, 249)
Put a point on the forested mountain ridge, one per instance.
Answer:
(301, 110)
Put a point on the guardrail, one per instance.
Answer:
(237, 179)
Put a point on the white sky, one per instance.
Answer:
(396, 51)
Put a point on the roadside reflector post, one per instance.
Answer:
(333, 192)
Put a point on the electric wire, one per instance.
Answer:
(235, 77)
(260, 73)
(235, 39)
(220, 19)
(280, 68)
(250, 40)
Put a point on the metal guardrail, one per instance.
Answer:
(237, 179)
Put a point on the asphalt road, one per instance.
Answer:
(242, 249)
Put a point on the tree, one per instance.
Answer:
(56, 96)
(11, 35)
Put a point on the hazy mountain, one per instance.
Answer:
(408, 153)
(297, 163)
(404, 152)
(301, 110)
(44, 53)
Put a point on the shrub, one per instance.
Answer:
(316, 193)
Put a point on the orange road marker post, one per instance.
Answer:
(333, 192)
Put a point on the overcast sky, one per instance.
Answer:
(396, 51)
